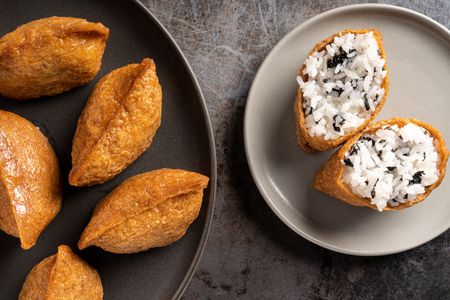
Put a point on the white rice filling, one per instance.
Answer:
(392, 166)
(343, 87)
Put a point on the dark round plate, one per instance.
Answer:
(184, 140)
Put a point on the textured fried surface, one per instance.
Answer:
(118, 123)
(49, 56)
(62, 276)
(36, 283)
(310, 143)
(329, 179)
(30, 195)
(148, 210)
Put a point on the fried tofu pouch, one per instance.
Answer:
(62, 276)
(30, 192)
(310, 143)
(152, 209)
(118, 123)
(49, 56)
(329, 179)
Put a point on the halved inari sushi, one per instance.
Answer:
(343, 85)
(391, 165)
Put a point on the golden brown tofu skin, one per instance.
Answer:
(152, 209)
(118, 123)
(49, 56)
(62, 276)
(329, 179)
(30, 193)
(310, 144)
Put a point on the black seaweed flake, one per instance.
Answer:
(417, 177)
(424, 156)
(354, 149)
(336, 125)
(366, 182)
(379, 153)
(369, 139)
(377, 97)
(366, 103)
(372, 193)
(405, 197)
(348, 162)
(337, 129)
(391, 168)
(337, 91)
(336, 60)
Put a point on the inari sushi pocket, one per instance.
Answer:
(343, 85)
(391, 165)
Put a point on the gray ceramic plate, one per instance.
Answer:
(184, 140)
(418, 53)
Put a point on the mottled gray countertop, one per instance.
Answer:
(250, 253)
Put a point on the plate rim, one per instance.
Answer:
(212, 152)
(263, 191)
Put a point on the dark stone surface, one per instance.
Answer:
(251, 254)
